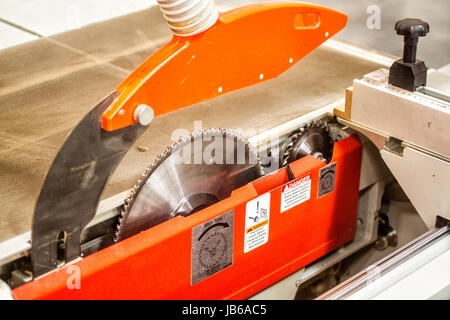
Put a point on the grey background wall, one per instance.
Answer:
(434, 49)
(25, 20)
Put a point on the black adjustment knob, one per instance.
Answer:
(409, 73)
(412, 29)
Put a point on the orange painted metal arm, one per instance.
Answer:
(247, 45)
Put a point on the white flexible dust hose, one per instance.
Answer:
(189, 17)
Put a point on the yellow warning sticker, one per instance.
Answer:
(257, 214)
(259, 225)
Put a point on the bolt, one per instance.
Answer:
(143, 114)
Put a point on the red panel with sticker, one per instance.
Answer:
(160, 263)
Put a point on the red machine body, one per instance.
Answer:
(158, 263)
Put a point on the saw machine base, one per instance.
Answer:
(226, 251)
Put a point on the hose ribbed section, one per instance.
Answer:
(189, 17)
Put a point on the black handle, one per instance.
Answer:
(411, 29)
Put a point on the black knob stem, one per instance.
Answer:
(411, 29)
(409, 51)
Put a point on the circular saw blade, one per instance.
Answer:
(196, 171)
(313, 139)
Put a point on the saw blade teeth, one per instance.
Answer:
(166, 153)
(304, 131)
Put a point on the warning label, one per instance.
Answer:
(295, 192)
(212, 246)
(257, 222)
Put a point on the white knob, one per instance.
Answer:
(143, 114)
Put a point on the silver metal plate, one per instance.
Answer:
(212, 246)
(327, 179)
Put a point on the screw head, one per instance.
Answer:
(143, 114)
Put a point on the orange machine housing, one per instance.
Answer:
(246, 46)
(156, 264)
